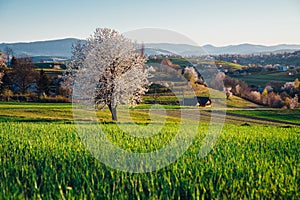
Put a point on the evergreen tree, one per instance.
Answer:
(23, 75)
(43, 84)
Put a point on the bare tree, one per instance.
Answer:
(23, 74)
(111, 63)
(217, 81)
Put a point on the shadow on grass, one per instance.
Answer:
(64, 121)
(35, 120)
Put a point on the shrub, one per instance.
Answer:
(57, 99)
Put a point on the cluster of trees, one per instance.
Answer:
(275, 95)
(20, 81)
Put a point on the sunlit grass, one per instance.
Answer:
(42, 160)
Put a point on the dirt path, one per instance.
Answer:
(262, 119)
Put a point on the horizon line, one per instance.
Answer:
(206, 44)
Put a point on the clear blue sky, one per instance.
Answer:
(217, 22)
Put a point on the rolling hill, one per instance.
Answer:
(187, 50)
(62, 48)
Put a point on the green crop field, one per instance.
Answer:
(42, 157)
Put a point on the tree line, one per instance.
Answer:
(274, 94)
(20, 81)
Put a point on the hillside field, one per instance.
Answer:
(263, 78)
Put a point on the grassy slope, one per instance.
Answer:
(218, 97)
(189, 61)
(239, 103)
(233, 66)
(263, 78)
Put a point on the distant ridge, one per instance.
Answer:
(62, 48)
(42, 48)
(185, 49)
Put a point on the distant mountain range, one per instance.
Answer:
(62, 48)
(185, 50)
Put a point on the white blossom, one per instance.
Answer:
(2, 66)
(190, 74)
(111, 70)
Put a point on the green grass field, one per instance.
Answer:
(42, 157)
(262, 78)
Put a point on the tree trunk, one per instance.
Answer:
(113, 112)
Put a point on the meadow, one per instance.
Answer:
(43, 157)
